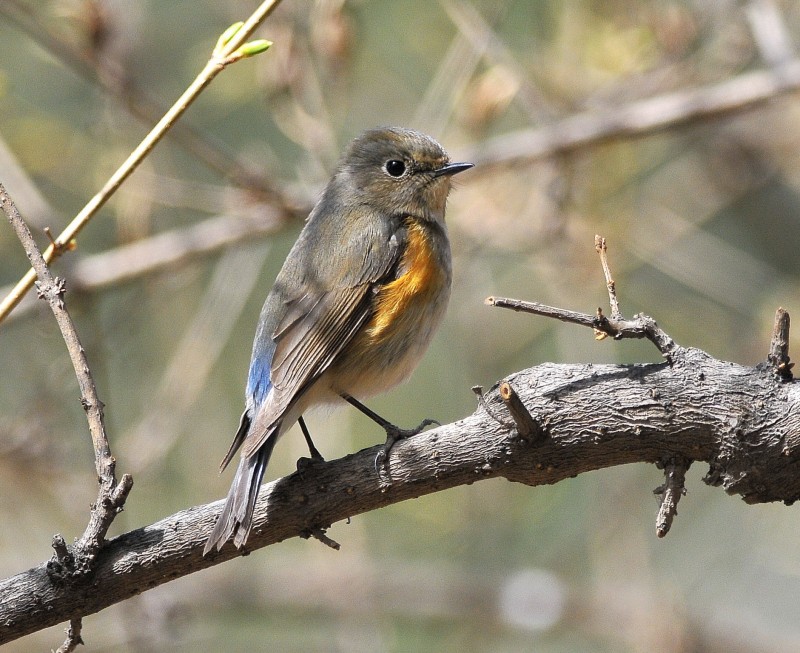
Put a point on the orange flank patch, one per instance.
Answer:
(399, 300)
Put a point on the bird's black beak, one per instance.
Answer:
(452, 169)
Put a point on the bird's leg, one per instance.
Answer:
(316, 456)
(393, 433)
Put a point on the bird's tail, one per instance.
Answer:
(236, 518)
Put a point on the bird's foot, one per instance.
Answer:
(305, 463)
(395, 433)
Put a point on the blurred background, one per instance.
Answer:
(634, 120)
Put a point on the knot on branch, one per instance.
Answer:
(51, 291)
(65, 567)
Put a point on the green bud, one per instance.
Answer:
(254, 47)
(228, 34)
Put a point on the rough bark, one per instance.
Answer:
(743, 421)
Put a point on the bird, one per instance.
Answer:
(353, 308)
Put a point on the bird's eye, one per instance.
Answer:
(395, 167)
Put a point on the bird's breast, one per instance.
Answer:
(414, 296)
(407, 311)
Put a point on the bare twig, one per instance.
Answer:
(527, 427)
(319, 534)
(111, 495)
(640, 326)
(73, 632)
(91, 65)
(600, 247)
(226, 52)
(52, 289)
(505, 423)
(522, 306)
(671, 492)
(616, 326)
(778, 356)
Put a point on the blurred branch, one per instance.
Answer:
(769, 32)
(165, 406)
(636, 118)
(94, 66)
(173, 248)
(592, 417)
(485, 42)
(168, 249)
(231, 47)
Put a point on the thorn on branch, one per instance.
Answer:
(671, 492)
(778, 356)
(527, 427)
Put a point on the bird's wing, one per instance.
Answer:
(320, 323)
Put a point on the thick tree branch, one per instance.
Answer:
(744, 422)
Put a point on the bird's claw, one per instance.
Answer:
(395, 433)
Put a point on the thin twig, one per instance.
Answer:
(111, 495)
(91, 65)
(600, 247)
(778, 355)
(671, 492)
(641, 326)
(320, 535)
(522, 306)
(52, 289)
(616, 326)
(506, 423)
(224, 54)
